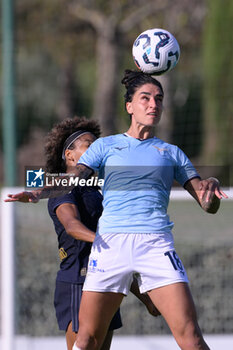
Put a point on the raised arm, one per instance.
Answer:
(206, 192)
(81, 171)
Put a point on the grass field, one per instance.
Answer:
(194, 225)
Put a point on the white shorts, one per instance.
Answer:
(115, 258)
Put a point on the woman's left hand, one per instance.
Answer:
(210, 187)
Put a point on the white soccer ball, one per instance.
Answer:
(156, 51)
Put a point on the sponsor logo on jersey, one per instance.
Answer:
(62, 254)
(120, 148)
(93, 266)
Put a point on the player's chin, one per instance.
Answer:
(153, 120)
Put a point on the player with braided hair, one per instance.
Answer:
(75, 216)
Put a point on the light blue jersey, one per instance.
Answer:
(138, 176)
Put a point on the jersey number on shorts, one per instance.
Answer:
(176, 263)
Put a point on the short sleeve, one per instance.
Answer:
(94, 155)
(54, 203)
(184, 169)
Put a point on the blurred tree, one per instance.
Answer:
(48, 58)
(71, 35)
(113, 23)
(218, 87)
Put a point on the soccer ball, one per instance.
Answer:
(156, 51)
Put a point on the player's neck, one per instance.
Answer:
(142, 133)
(70, 169)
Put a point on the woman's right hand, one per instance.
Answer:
(24, 197)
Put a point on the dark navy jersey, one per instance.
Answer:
(74, 253)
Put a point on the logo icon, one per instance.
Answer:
(93, 263)
(92, 266)
(35, 178)
(62, 253)
(120, 148)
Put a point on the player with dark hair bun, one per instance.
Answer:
(134, 79)
(134, 234)
(75, 217)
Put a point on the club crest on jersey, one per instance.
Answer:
(83, 271)
(161, 150)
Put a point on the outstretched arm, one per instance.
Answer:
(206, 192)
(81, 171)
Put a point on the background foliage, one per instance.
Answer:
(71, 55)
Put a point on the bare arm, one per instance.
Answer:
(69, 217)
(144, 298)
(81, 171)
(206, 192)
